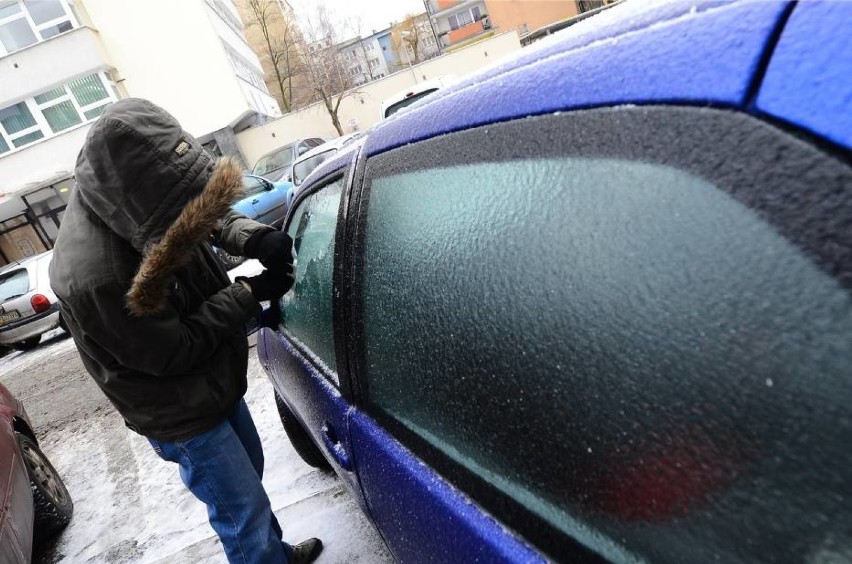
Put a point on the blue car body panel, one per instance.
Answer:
(451, 528)
(705, 57)
(269, 206)
(310, 396)
(809, 79)
(678, 52)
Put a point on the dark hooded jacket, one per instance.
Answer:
(156, 320)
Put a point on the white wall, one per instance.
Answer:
(314, 120)
(42, 160)
(50, 63)
(167, 51)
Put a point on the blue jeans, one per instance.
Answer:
(223, 468)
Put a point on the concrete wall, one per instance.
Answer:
(514, 14)
(364, 107)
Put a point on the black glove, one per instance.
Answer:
(274, 249)
(269, 285)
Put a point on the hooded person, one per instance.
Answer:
(156, 320)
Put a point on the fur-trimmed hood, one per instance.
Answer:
(155, 186)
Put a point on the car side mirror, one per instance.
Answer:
(267, 185)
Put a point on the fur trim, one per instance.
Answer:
(198, 219)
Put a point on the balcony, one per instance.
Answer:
(465, 32)
(444, 4)
(48, 63)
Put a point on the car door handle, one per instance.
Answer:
(255, 201)
(332, 443)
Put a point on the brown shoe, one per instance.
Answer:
(306, 551)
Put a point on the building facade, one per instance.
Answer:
(457, 22)
(63, 63)
(364, 58)
(274, 35)
(529, 15)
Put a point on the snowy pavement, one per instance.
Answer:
(130, 506)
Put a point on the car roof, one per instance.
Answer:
(335, 143)
(674, 51)
(27, 262)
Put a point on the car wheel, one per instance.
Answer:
(51, 500)
(299, 438)
(62, 324)
(229, 261)
(27, 344)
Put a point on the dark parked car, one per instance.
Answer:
(275, 165)
(36, 503)
(643, 351)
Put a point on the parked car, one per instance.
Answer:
(305, 164)
(641, 353)
(36, 503)
(412, 94)
(275, 165)
(28, 307)
(266, 201)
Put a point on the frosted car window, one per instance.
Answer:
(307, 307)
(611, 344)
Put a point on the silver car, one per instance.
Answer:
(28, 307)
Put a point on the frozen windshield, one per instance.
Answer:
(407, 102)
(280, 159)
(14, 284)
(303, 168)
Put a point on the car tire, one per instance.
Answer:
(229, 261)
(62, 324)
(27, 344)
(299, 438)
(52, 503)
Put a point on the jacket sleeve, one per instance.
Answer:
(164, 344)
(235, 231)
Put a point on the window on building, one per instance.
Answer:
(464, 18)
(374, 64)
(24, 22)
(54, 111)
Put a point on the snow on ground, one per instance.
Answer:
(130, 506)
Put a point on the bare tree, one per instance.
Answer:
(405, 36)
(281, 40)
(327, 74)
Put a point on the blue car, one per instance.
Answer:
(641, 352)
(265, 201)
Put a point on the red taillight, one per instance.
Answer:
(40, 303)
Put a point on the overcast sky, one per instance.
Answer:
(375, 15)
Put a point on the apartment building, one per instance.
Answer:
(414, 41)
(364, 58)
(530, 15)
(273, 33)
(457, 22)
(64, 61)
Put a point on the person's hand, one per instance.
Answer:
(269, 285)
(274, 250)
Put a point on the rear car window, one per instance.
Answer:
(304, 167)
(307, 311)
(13, 284)
(407, 102)
(279, 159)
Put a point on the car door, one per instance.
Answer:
(300, 354)
(641, 353)
(269, 203)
